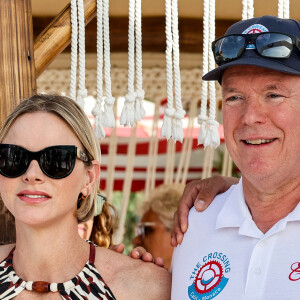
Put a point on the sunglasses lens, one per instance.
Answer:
(57, 162)
(274, 45)
(228, 48)
(13, 160)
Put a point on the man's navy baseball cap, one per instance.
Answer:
(290, 65)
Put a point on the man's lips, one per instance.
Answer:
(33, 196)
(258, 141)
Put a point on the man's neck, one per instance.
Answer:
(268, 206)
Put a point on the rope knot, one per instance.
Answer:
(96, 110)
(130, 97)
(170, 112)
(140, 95)
(201, 119)
(211, 122)
(109, 100)
(82, 93)
(179, 114)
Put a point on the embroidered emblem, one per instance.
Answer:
(255, 28)
(295, 274)
(208, 278)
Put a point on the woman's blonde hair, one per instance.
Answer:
(70, 112)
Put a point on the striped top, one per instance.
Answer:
(88, 284)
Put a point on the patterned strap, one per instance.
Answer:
(92, 254)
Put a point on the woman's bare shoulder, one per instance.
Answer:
(4, 250)
(129, 278)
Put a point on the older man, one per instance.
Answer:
(245, 245)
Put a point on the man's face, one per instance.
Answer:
(261, 115)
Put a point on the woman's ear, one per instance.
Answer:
(93, 174)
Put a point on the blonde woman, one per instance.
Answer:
(49, 178)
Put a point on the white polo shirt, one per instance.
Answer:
(225, 256)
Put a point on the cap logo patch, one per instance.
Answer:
(255, 28)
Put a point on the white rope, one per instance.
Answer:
(212, 138)
(166, 129)
(177, 132)
(248, 9)
(127, 115)
(284, 9)
(172, 123)
(140, 93)
(202, 118)
(97, 110)
(109, 101)
(107, 117)
(74, 49)
(82, 92)
(208, 135)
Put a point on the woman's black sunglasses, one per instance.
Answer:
(266, 44)
(56, 161)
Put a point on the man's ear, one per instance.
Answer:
(93, 173)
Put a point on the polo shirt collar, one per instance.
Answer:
(235, 213)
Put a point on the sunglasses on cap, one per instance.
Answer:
(266, 44)
(56, 161)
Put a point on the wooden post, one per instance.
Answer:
(17, 70)
(17, 73)
(57, 35)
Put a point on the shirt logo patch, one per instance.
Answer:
(208, 277)
(295, 274)
(255, 28)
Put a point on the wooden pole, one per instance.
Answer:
(57, 35)
(17, 74)
(17, 71)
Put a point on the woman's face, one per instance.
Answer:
(34, 198)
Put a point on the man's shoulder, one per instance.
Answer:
(131, 277)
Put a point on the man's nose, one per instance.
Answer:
(137, 241)
(253, 111)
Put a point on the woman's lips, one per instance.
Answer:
(33, 196)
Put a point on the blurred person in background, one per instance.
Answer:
(153, 231)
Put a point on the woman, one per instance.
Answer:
(101, 226)
(49, 176)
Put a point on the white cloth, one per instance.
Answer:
(225, 256)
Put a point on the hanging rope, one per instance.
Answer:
(172, 123)
(284, 9)
(82, 92)
(208, 135)
(248, 9)
(107, 117)
(74, 49)
(133, 109)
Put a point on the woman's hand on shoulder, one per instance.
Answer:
(200, 194)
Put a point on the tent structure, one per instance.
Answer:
(29, 57)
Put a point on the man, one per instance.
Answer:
(245, 245)
(153, 232)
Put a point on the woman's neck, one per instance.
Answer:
(51, 253)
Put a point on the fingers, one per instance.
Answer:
(117, 248)
(159, 262)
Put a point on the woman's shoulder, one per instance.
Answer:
(4, 251)
(128, 278)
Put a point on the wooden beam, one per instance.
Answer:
(57, 36)
(17, 71)
(17, 74)
(154, 39)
